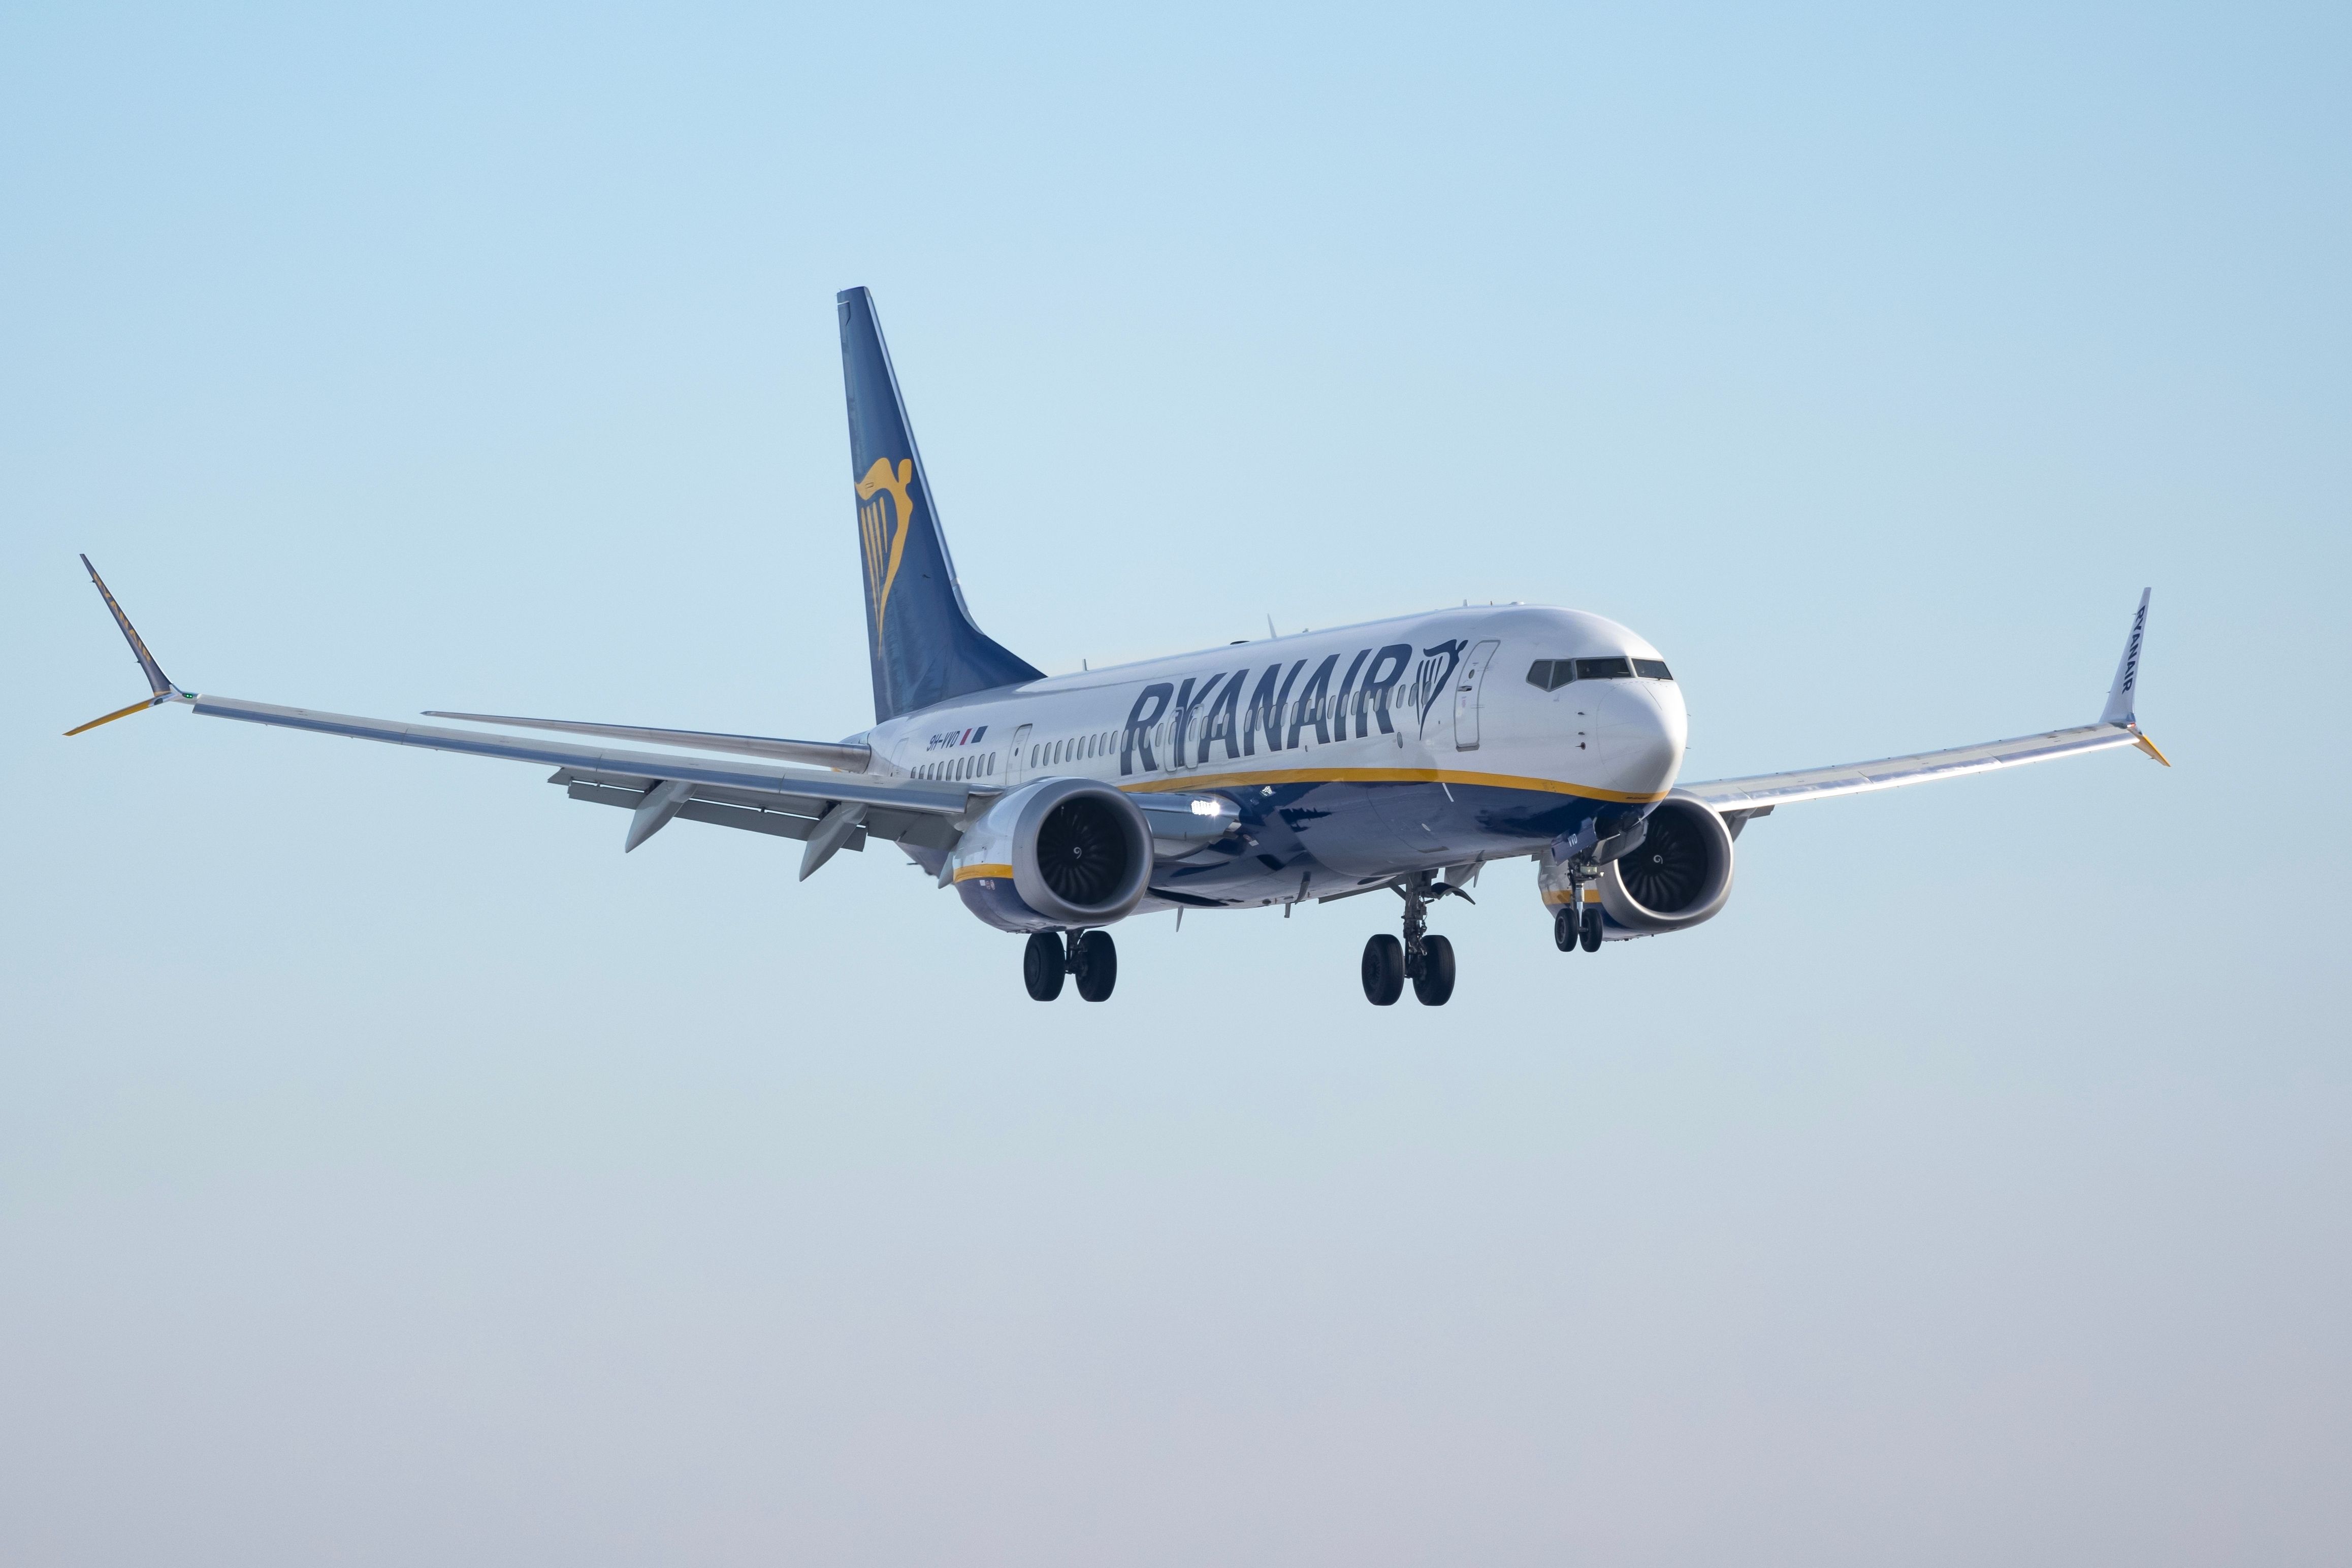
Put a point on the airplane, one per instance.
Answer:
(1397, 756)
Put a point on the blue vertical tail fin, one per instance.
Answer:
(926, 649)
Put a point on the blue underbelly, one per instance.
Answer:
(1333, 837)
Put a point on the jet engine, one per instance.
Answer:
(1058, 854)
(1678, 874)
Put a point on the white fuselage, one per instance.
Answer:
(1355, 754)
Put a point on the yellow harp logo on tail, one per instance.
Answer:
(882, 527)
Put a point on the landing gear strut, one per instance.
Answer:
(1090, 957)
(1426, 960)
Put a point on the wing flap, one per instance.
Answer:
(789, 816)
(717, 813)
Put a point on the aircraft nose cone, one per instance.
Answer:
(1643, 731)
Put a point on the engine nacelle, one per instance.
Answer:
(1677, 875)
(1674, 874)
(1058, 854)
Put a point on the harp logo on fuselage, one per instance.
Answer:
(885, 509)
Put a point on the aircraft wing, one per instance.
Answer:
(2117, 724)
(1767, 789)
(789, 802)
(827, 811)
(849, 757)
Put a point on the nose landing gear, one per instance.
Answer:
(1568, 932)
(1577, 922)
(1426, 960)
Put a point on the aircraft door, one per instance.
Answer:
(1466, 682)
(1017, 765)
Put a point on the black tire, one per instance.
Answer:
(1434, 984)
(1592, 928)
(1041, 966)
(1564, 930)
(1097, 966)
(1383, 971)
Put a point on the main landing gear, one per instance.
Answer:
(1090, 958)
(1568, 931)
(1427, 961)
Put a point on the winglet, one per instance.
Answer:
(2122, 696)
(158, 684)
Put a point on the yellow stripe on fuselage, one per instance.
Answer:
(1388, 776)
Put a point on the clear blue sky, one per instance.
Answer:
(390, 1171)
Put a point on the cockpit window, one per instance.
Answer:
(1551, 674)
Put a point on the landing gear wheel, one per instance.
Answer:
(1095, 963)
(1592, 928)
(1041, 966)
(1564, 930)
(1383, 971)
(1434, 984)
